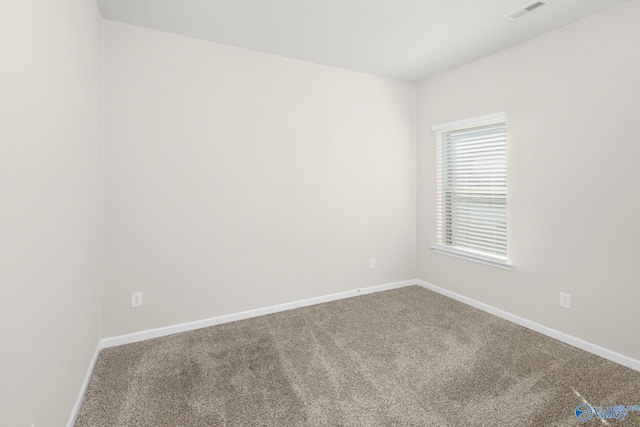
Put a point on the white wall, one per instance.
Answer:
(574, 178)
(50, 219)
(236, 180)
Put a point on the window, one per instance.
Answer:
(472, 189)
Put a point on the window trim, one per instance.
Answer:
(463, 253)
(469, 255)
(473, 121)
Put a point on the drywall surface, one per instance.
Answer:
(236, 180)
(573, 173)
(50, 220)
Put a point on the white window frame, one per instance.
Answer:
(441, 247)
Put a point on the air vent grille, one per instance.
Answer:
(533, 6)
(525, 10)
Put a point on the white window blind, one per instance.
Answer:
(472, 189)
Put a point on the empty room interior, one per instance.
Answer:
(320, 213)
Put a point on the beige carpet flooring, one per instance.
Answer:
(406, 357)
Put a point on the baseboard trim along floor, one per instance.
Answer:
(189, 326)
(560, 336)
(85, 383)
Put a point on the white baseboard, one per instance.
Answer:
(189, 326)
(83, 389)
(560, 336)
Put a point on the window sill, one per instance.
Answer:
(473, 256)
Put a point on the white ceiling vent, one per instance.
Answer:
(525, 10)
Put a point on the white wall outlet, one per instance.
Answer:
(372, 263)
(136, 299)
(565, 300)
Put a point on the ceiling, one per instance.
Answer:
(409, 40)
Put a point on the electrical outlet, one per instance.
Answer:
(565, 300)
(136, 299)
(372, 263)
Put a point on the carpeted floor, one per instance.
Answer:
(406, 357)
